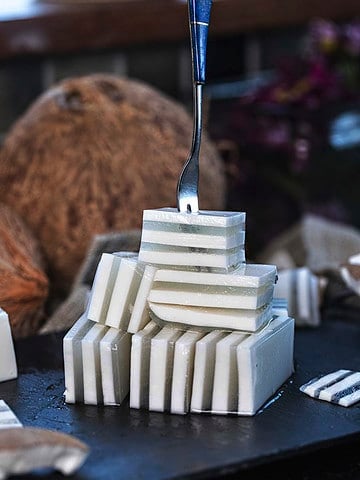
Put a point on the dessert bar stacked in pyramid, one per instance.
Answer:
(183, 325)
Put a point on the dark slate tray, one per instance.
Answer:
(131, 444)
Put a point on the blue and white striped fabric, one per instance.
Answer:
(341, 387)
(7, 417)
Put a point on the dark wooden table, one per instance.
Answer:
(293, 437)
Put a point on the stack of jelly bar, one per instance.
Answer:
(183, 325)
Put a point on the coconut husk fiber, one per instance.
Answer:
(23, 281)
(90, 155)
(67, 312)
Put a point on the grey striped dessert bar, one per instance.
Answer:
(209, 241)
(8, 419)
(341, 387)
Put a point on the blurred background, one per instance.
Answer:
(281, 100)
(80, 164)
(283, 84)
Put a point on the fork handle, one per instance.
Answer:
(199, 18)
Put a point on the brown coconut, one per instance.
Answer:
(90, 155)
(23, 283)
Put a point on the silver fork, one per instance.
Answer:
(188, 184)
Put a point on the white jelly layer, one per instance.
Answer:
(8, 366)
(96, 364)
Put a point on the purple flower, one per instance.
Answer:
(324, 36)
(352, 38)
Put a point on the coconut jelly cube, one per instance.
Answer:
(8, 419)
(193, 258)
(225, 390)
(206, 240)
(8, 366)
(238, 300)
(217, 372)
(248, 368)
(73, 360)
(341, 387)
(206, 229)
(211, 296)
(248, 287)
(264, 363)
(126, 286)
(90, 345)
(183, 370)
(300, 287)
(161, 368)
(115, 366)
(140, 365)
(207, 318)
(103, 285)
(204, 368)
(140, 312)
(245, 276)
(96, 363)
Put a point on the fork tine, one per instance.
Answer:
(188, 185)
